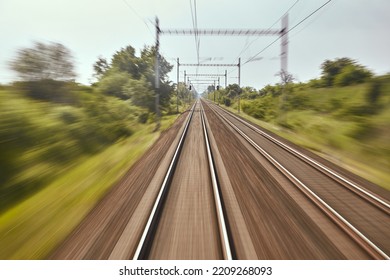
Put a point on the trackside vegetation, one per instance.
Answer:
(63, 144)
(344, 115)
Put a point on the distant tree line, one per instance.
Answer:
(46, 72)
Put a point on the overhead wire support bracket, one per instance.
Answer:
(222, 32)
(206, 75)
(216, 65)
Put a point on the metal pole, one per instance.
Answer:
(225, 78)
(177, 93)
(157, 74)
(239, 83)
(185, 76)
(284, 45)
(214, 91)
(219, 86)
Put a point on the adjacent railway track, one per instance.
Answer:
(361, 214)
(187, 220)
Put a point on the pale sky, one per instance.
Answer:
(358, 29)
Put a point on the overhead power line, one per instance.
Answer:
(138, 15)
(248, 45)
(292, 28)
(194, 17)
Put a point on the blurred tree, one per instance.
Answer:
(131, 77)
(233, 90)
(286, 77)
(348, 69)
(140, 93)
(249, 93)
(374, 91)
(125, 60)
(210, 88)
(146, 66)
(100, 67)
(352, 74)
(52, 61)
(46, 71)
(113, 84)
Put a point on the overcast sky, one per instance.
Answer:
(357, 29)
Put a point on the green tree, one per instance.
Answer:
(352, 74)
(100, 67)
(125, 60)
(52, 61)
(131, 77)
(140, 93)
(148, 57)
(113, 84)
(233, 90)
(349, 69)
(210, 88)
(45, 71)
(249, 93)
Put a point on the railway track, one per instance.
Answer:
(361, 214)
(265, 212)
(187, 220)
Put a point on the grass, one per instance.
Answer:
(36, 225)
(333, 123)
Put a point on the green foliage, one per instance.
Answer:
(100, 67)
(49, 90)
(51, 61)
(269, 89)
(343, 71)
(39, 138)
(298, 101)
(125, 60)
(374, 91)
(140, 93)
(352, 74)
(263, 108)
(113, 84)
(132, 77)
(249, 93)
(233, 90)
(46, 72)
(316, 83)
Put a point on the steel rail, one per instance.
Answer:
(154, 215)
(373, 199)
(352, 231)
(150, 227)
(217, 196)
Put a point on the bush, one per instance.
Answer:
(352, 75)
(374, 91)
(297, 101)
(143, 118)
(113, 84)
(316, 83)
(39, 138)
(49, 90)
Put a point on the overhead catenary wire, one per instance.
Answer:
(195, 27)
(138, 15)
(249, 44)
(288, 31)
